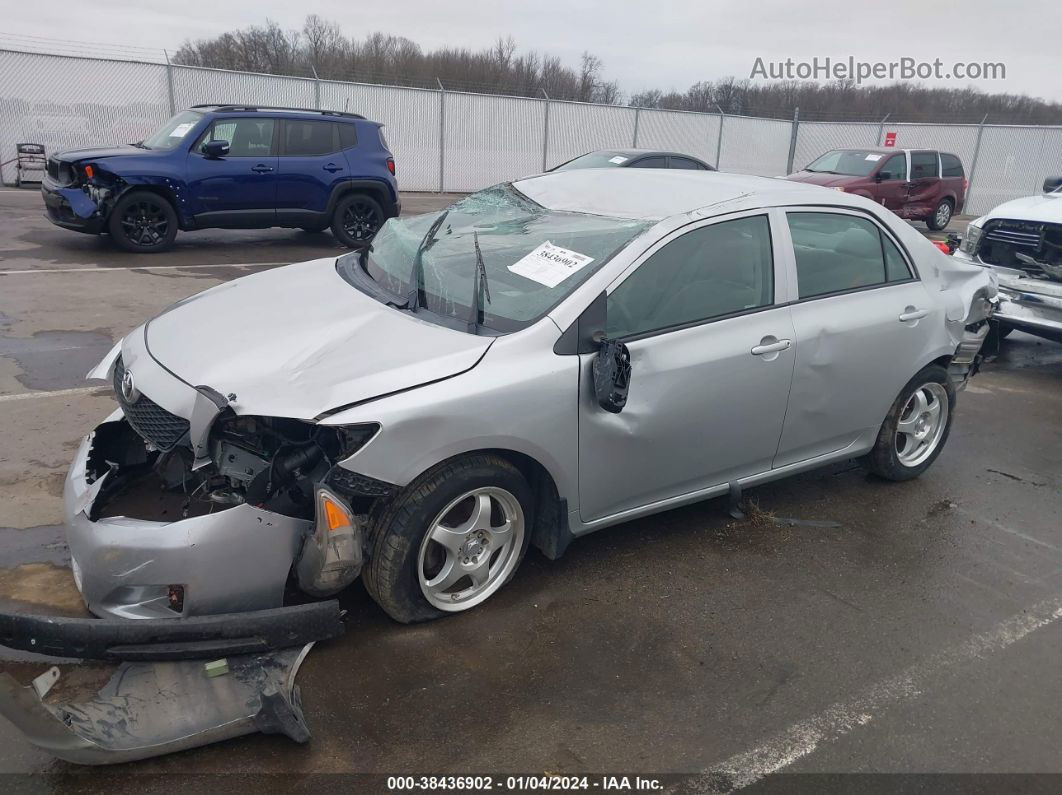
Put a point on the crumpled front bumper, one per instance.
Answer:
(234, 560)
(1027, 304)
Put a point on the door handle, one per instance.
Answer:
(771, 347)
(332, 167)
(261, 168)
(910, 313)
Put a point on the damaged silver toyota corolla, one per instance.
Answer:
(541, 360)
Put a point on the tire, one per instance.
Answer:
(404, 560)
(941, 215)
(356, 219)
(893, 458)
(143, 222)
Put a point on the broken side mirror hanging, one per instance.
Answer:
(612, 373)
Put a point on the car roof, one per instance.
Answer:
(279, 111)
(655, 194)
(642, 152)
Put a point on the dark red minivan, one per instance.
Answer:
(917, 184)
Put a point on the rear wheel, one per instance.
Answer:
(450, 540)
(356, 219)
(143, 222)
(916, 427)
(941, 215)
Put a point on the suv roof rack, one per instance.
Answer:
(222, 107)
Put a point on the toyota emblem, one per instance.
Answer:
(129, 391)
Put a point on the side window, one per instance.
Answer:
(896, 269)
(309, 138)
(685, 162)
(952, 165)
(650, 162)
(896, 166)
(247, 137)
(712, 271)
(347, 137)
(835, 252)
(923, 164)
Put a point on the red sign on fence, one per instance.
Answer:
(890, 139)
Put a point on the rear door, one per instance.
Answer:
(923, 190)
(238, 189)
(311, 165)
(711, 361)
(862, 321)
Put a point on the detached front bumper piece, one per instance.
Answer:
(151, 709)
(172, 639)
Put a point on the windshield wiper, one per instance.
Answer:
(479, 288)
(416, 278)
(140, 145)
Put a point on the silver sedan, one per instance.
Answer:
(543, 359)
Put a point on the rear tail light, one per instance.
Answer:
(965, 184)
(391, 165)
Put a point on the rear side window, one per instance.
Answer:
(347, 137)
(685, 162)
(246, 137)
(923, 164)
(952, 165)
(650, 162)
(710, 272)
(835, 253)
(309, 138)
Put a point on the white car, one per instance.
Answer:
(1021, 241)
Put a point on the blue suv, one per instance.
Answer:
(230, 167)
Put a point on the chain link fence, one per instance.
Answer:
(459, 141)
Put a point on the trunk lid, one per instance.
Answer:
(299, 341)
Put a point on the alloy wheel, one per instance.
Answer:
(145, 224)
(471, 548)
(361, 220)
(922, 423)
(943, 215)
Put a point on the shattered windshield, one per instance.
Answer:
(532, 256)
(174, 131)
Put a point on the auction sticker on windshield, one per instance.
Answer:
(549, 264)
(618, 159)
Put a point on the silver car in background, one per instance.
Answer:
(543, 359)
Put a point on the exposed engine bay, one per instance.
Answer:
(1032, 246)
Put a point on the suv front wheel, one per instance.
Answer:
(356, 219)
(143, 222)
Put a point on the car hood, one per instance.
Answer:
(299, 341)
(99, 153)
(821, 178)
(1046, 208)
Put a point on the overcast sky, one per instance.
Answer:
(664, 44)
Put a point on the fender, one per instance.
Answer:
(377, 188)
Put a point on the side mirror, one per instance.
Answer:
(612, 374)
(882, 176)
(1051, 184)
(215, 149)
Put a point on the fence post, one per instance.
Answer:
(973, 165)
(316, 88)
(637, 118)
(545, 131)
(442, 136)
(881, 129)
(719, 140)
(169, 82)
(792, 141)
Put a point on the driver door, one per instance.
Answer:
(892, 192)
(711, 364)
(239, 189)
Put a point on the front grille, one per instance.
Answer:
(1025, 234)
(150, 420)
(60, 172)
(53, 168)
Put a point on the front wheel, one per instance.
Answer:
(356, 219)
(916, 427)
(143, 222)
(450, 540)
(941, 216)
